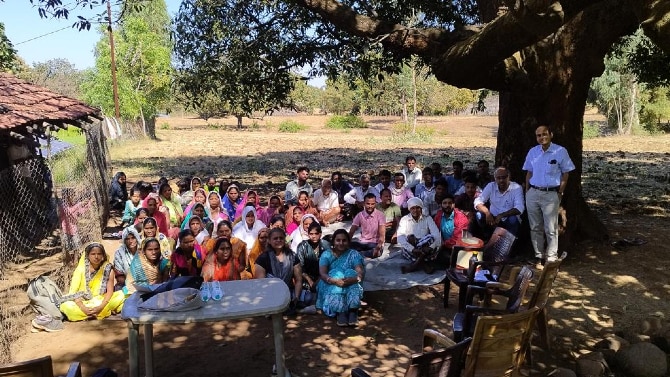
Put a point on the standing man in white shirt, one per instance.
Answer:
(412, 173)
(506, 205)
(548, 167)
(419, 238)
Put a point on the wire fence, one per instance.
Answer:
(50, 207)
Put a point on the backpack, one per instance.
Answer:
(45, 296)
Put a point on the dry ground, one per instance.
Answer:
(599, 290)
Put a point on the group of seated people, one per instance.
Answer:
(223, 233)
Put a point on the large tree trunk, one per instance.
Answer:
(552, 90)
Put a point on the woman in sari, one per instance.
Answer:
(294, 222)
(187, 257)
(173, 203)
(250, 199)
(225, 230)
(339, 292)
(196, 227)
(259, 248)
(187, 197)
(220, 264)
(148, 267)
(130, 240)
(279, 261)
(278, 221)
(200, 211)
(247, 229)
(216, 210)
(275, 207)
(150, 230)
(301, 233)
(304, 204)
(231, 201)
(91, 293)
(200, 196)
(157, 210)
(118, 194)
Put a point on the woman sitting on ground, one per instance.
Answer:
(150, 230)
(250, 198)
(173, 203)
(278, 261)
(309, 252)
(231, 201)
(247, 229)
(130, 240)
(91, 292)
(200, 196)
(293, 221)
(301, 233)
(215, 209)
(220, 264)
(259, 248)
(305, 206)
(275, 208)
(278, 221)
(339, 292)
(187, 258)
(196, 227)
(200, 211)
(148, 267)
(187, 197)
(118, 193)
(157, 210)
(225, 230)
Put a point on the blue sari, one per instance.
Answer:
(228, 204)
(332, 299)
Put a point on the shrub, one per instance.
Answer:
(165, 126)
(402, 132)
(291, 126)
(591, 130)
(343, 122)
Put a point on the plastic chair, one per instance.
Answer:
(464, 322)
(495, 258)
(442, 357)
(41, 367)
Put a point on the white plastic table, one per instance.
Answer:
(241, 299)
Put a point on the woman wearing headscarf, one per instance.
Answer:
(259, 248)
(187, 197)
(130, 241)
(150, 230)
(157, 210)
(216, 210)
(280, 262)
(188, 256)
(231, 201)
(220, 264)
(275, 207)
(250, 199)
(172, 202)
(247, 229)
(91, 293)
(305, 206)
(200, 211)
(148, 267)
(302, 231)
(225, 230)
(118, 193)
(200, 196)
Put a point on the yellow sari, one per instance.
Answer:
(91, 290)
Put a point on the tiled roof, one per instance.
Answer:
(23, 104)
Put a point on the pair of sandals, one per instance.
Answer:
(211, 290)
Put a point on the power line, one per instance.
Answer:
(43, 35)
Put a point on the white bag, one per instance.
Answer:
(176, 300)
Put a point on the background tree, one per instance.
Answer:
(143, 53)
(59, 75)
(8, 57)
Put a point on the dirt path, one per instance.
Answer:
(600, 289)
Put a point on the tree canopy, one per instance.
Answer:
(8, 57)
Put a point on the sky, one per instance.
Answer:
(40, 39)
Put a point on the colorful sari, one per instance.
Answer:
(91, 288)
(239, 249)
(186, 264)
(300, 233)
(244, 202)
(145, 273)
(222, 212)
(212, 270)
(187, 197)
(229, 205)
(332, 299)
(255, 252)
(161, 219)
(242, 231)
(123, 256)
(173, 204)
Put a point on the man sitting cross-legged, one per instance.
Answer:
(419, 237)
(326, 202)
(372, 223)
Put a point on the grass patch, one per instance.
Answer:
(403, 133)
(291, 126)
(164, 126)
(344, 122)
(591, 130)
(69, 164)
(71, 135)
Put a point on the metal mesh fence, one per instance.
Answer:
(49, 209)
